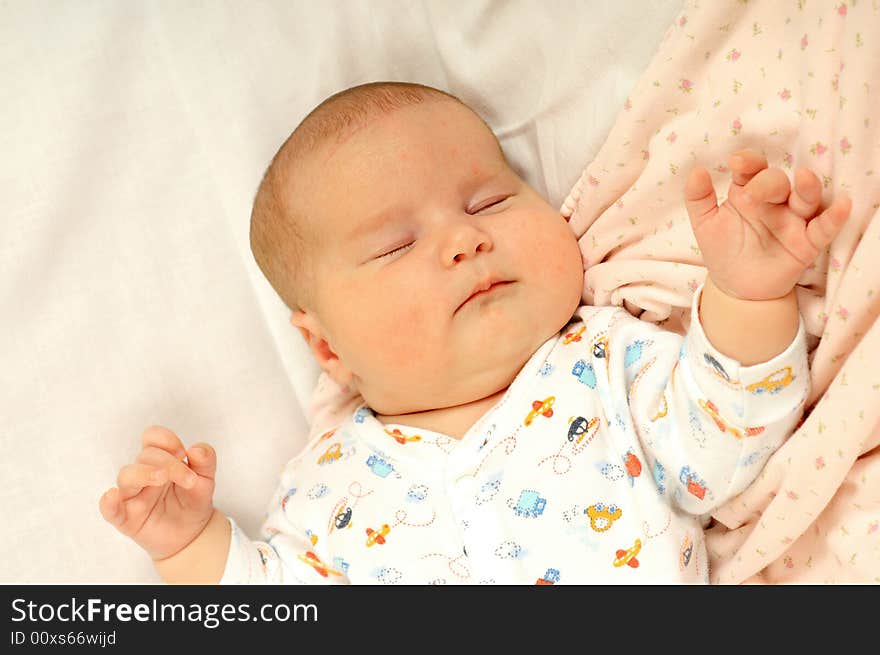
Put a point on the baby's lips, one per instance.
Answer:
(482, 286)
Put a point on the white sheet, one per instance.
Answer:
(133, 136)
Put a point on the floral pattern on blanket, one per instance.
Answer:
(800, 82)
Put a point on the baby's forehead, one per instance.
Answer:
(332, 167)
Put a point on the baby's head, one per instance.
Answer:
(378, 219)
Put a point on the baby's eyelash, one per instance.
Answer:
(491, 203)
(396, 250)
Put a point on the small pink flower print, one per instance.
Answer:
(818, 148)
(873, 527)
(841, 10)
(788, 160)
(628, 104)
(721, 168)
(834, 264)
(804, 42)
(788, 563)
(593, 181)
(646, 155)
(693, 284)
(792, 495)
(619, 204)
(672, 137)
(733, 55)
(682, 21)
(686, 85)
(823, 318)
(735, 127)
(669, 225)
(835, 81)
(785, 94)
(845, 145)
(843, 313)
(820, 463)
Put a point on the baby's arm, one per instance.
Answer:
(164, 504)
(756, 246)
(737, 389)
(706, 424)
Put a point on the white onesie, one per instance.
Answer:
(600, 464)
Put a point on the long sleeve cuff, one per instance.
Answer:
(244, 563)
(745, 397)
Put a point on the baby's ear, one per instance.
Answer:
(313, 333)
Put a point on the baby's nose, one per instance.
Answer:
(463, 242)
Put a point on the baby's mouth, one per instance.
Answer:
(485, 290)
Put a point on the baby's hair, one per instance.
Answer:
(279, 233)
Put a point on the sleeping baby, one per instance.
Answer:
(507, 434)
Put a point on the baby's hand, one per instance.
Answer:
(760, 240)
(160, 502)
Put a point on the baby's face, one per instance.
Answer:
(416, 211)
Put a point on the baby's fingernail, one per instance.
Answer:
(197, 451)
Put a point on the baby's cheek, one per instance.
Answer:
(402, 338)
(561, 274)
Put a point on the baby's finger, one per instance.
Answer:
(163, 438)
(202, 459)
(744, 164)
(134, 477)
(111, 507)
(807, 194)
(699, 197)
(822, 229)
(178, 472)
(770, 185)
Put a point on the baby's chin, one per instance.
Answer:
(478, 379)
(482, 367)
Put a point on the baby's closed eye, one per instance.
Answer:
(490, 203)
(397, 250)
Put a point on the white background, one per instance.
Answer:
(132, 138)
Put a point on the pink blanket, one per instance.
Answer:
(797, 81)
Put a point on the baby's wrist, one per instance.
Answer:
(203, 559)
(748, 331)
(158, 555)
(726, 290)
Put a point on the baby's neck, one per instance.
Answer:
(452, 421)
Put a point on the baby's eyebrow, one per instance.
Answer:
(391, 213)
(370, 224)
(480, 180)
